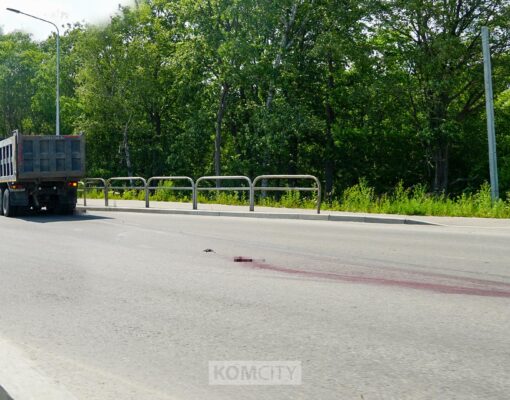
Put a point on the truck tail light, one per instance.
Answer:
(17, 187)
(72, 184)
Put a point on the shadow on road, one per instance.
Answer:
(4, 395)
(44, 217)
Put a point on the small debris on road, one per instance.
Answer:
(208, 251)
(243, 259)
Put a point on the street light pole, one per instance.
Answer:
(57, 117)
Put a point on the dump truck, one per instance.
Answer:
(39, 172)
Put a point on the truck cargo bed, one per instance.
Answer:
(41, 158)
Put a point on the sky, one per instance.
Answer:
(58, 11)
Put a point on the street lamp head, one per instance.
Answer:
(13, 10)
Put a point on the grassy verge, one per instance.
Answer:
(358, 198)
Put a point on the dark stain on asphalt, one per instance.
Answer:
(446, 284)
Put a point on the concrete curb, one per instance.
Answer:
(265, 215)
(23, 380)
(4, 395)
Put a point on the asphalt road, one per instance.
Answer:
(129, 306)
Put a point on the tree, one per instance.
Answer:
(125, 86)
(437, 43)
(19, 60)
(385, 90)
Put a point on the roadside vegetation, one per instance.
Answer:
(385, 91)
(358, 198)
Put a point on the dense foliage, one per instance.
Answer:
(385, 90)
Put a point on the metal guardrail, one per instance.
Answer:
(91, 180)
(195, 188)
(287, 188)
(168, 178)
(220, 178)
(124, 179)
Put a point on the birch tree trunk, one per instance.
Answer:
(127, 151)
(285, 43)
(219, 121)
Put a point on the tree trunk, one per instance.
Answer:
(219, 120)
(329, 165)
(437, 117)
(285, 43)
(127, 152)
(441, 165)
(156, 159)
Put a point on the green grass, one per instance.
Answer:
(416, 201)
(358, 198)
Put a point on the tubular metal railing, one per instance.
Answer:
(147, 186)
(168, 178)
(125, 179)
(104, 188)
(220, 178)
(286, 188)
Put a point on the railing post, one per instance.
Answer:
(147, 195)
(194, 195)
(106, 193)
(319, 195)
(252, 197)
(84, 194)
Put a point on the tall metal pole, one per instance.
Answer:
(57, 116)
(489, 105)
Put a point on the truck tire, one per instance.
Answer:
(1, 202)
(9, 211)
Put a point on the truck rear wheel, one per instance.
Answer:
(8, 210)
(1, 202)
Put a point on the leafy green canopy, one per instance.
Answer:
(386, 90)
